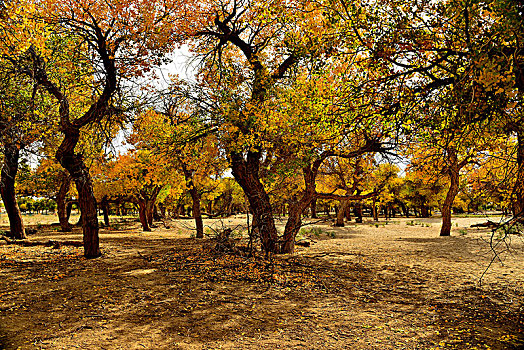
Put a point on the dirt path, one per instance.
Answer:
(366, 286)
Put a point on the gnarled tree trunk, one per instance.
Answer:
(7, 189)
(246, 173)
(294, 221)
(374, 208)
(74, 164)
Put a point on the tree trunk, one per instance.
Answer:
(518, 188)
(341, 213)
(294, 221)
(150, 207)
(405, 208)
(453, 173)
(142, 214)
(105, 210)
(196, 198)
(374, 208)
(246, 173)
(7, 190)
(424, 211)
(347, 214)
(197, 213)
(74, 164)
(314, 209)
(358, 212)
(63, 208)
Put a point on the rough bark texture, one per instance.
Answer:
(74, 164)
(99, 109)
(7, 189)
(62, 207)
(296, 209)
(246, 173)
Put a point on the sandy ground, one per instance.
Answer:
(365, 286)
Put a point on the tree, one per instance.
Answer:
(248, 49)
(200, 162)
(113, 44)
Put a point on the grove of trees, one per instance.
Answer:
(293, 108)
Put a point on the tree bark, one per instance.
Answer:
(453, 173)
(314, 209)
(518, 189)
(7, 189)
(424, 211)
(142, 214)
(347, 214)
(105, 210)
(146, 204)
(61, 204)
(341, 213)
(74, 164)
(374, 208)
(197, 212)
(294, 221)
(65, 154)
(196, 198)
(246, 173)
(358, 212)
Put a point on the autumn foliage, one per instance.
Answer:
(398, 108)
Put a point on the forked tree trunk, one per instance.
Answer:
(150, 208)
(246, 173)
(61, 204)
(146, 200)
(7, 189)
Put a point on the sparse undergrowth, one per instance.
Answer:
(163, 291)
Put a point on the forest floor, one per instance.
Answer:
(365, 286)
